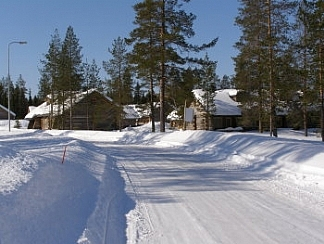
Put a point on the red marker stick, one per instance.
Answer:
(64, 154)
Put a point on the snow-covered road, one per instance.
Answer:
(181, 199)
(137, 187)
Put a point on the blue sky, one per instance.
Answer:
(97, 23)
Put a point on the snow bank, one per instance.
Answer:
(84, 199)
(290, 155)
(15, 169)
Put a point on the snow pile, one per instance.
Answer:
(14, 124)
(16, 169)
(107, 187)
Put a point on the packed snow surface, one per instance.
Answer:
(135, 186)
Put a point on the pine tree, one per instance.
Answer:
(128, 86)
(50, 83)
(263, 47)
(3, 92)
(145, 55)
(137, 93)
(91, 76)
(225, 83)
(19, 100)
(173, 89)
(30, 99)
(208, 85)
(300, 103)
(62, 73)
(71, 62)
(312, 18)
(120, 81)
(159, 40)
(71, 70)
(50, 73)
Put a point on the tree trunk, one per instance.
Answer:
(304, 95)
(321, 91)
(162, 79)
(152, 103)
(273, 130)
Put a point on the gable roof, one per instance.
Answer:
(225, 105)
(41, 110)
(131, 112)
(136, 111)
(45, 108)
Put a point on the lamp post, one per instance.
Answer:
(9, 83)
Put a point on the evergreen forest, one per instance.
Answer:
(278, 69)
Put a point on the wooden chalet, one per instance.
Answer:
(89, 110)
(226, 114)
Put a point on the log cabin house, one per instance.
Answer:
(89, 110)
(225, 115)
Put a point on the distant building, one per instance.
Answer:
(90, 110)
(4, 113)
(226, 112)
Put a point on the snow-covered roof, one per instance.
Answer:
(131, 112)
(45, 108)
(42, 109)
(225, 105)
(135, 111)
(174, 115)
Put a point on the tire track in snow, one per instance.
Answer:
(107, 225)
(217, 200)
(139, 204)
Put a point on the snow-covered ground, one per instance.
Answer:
(135, 186)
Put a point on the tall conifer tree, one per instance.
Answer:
(312, 16)
(146, 48)
(91, 76)
(266, 32)
(163, 28)
(71, 70)
(62, 72)
(50, 72)
(120, 77)
(20, 102)
(71, 62)
(209, 86)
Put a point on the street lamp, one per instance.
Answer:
(21, 43)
